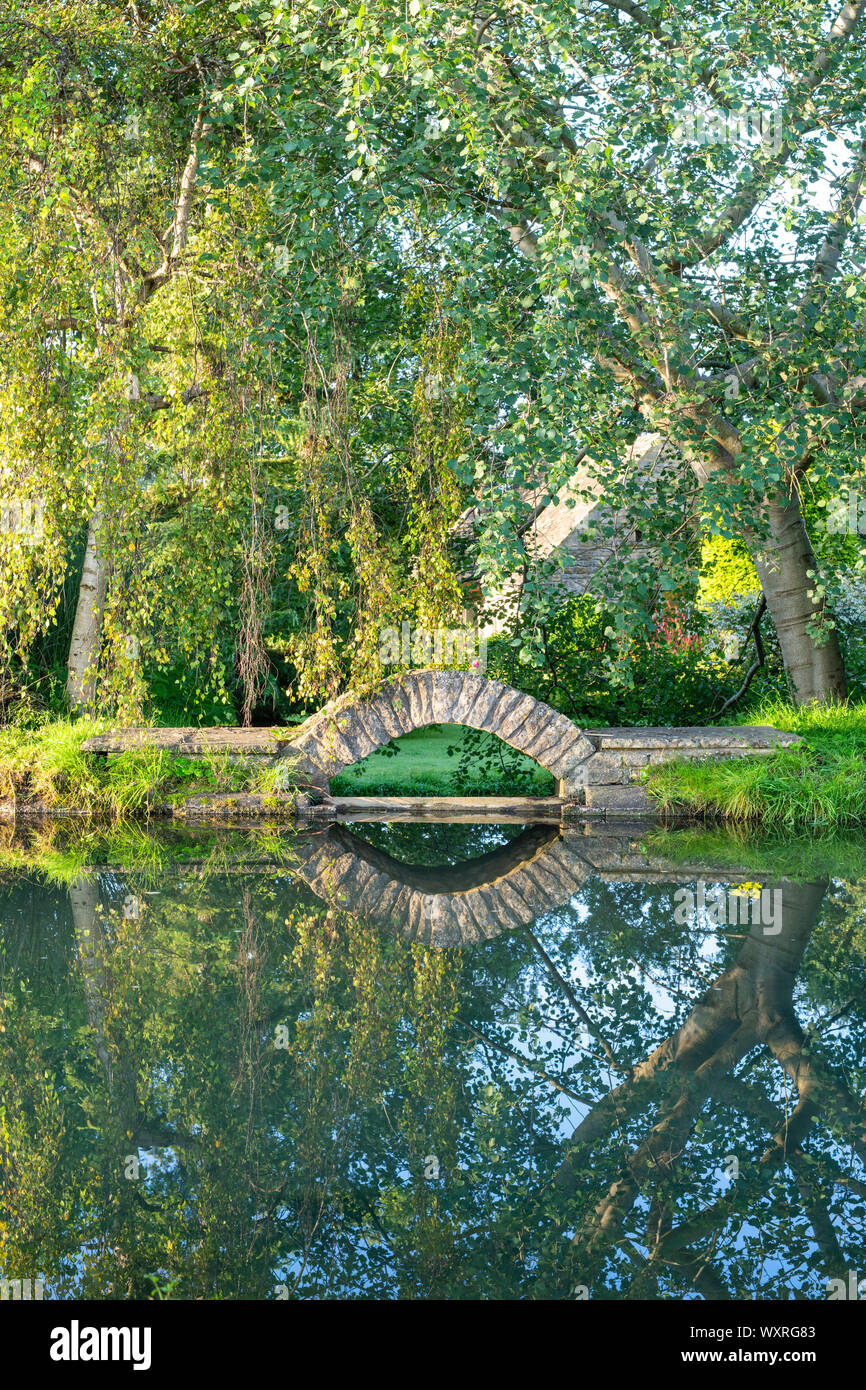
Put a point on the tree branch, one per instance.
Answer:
(753, 188)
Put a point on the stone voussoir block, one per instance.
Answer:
(416, 688)
(331, 747)
(394, 697)
(572, 748)
(471, 688)
(450, 929)
(399, 913)
(477, 703)
(499, 714)
(552, 738)
(416, 917)
(522, 722)
(383, 712)
(570, 767)
(373, 724)
(371, 893)
(479, 907)
(479, 717)
(447, 689)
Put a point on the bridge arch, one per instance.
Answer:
(349, 729)
(461, 905)
(445, 905)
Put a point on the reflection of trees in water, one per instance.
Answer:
(437, 842)
(407, 1132)
(748, 1006)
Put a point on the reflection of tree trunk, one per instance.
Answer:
(84, 898)
(86, 640)
(749, 1005)
(251, 1058)
(119, 1075)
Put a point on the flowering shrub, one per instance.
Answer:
(676, 670)
(685, 665)
(671, 629)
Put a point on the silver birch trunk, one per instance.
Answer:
(86, 643)
(787, 569)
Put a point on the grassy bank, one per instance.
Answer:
(422, 765)
(46, 764)
(821, 783)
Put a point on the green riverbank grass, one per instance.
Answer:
(46, 763)
(422, 766)
(821, 783)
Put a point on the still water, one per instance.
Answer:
(432, 1061)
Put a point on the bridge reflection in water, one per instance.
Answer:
(463, 904)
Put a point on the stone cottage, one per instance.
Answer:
(563, 531)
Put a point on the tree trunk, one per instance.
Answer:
(815, 672)
(86, 640)
(787, 568)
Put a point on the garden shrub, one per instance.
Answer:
(678, 669)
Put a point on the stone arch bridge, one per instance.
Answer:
(597, 768)
(349, 729)
(594, 768)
